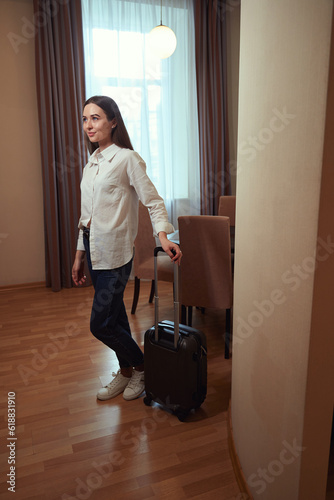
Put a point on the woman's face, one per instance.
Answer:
(97, 126)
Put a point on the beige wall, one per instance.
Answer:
(21, 199)
(319, 399)
(284, 55)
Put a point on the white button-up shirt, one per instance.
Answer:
(113, 180)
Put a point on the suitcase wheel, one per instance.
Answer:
(147, 400)
(181, 414)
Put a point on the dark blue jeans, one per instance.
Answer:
(109, 322)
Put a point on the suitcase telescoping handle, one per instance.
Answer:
(156, 298)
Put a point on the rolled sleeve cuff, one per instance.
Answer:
(80, 244)
(163, 226)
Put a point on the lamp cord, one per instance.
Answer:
(161, 14)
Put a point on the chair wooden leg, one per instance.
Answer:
(135, 295)
(190, 316)
(186, 315)
(227, 333)
(202, 309)
(151, 292)
(183, 315)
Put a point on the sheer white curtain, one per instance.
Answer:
(157, 98)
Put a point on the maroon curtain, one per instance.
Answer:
(60, 93)
(210, 36)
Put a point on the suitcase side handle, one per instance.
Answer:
(156, 299)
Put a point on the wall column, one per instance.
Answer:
(279, 309)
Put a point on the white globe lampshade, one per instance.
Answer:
(162, 41)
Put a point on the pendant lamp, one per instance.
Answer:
(162, 40)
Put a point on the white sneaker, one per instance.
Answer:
(135, 386)
(115, 387)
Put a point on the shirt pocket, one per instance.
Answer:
(109, 188)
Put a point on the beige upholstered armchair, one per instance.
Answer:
(206, 271)
(226, 208)
(143, 263)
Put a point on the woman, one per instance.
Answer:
(112, 183)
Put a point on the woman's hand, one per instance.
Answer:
(78, 275)
(171, 249)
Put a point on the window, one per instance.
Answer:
(157, 98)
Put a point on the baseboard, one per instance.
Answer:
(22, 286)
(239, 475)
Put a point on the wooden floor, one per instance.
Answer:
(70, 445)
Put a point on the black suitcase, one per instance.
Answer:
(175, 360)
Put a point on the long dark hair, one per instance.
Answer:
(119, 134)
